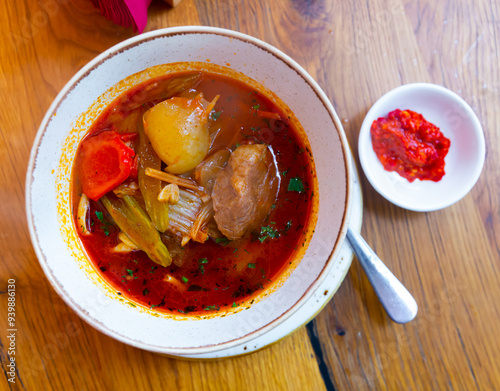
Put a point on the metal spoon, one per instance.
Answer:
(395, 298)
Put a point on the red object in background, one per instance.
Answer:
(126, 13)
(408, 144)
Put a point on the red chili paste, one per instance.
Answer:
(408, 144)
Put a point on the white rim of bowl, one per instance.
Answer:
(126, 45)
(477, 128)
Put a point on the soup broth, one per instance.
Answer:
(213, 269)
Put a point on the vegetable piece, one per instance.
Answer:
(136, 224)
(181, 286)
(181, 182)
(126, 240)
(169, 178)
(178, 130)
(170, 194)
(127, 188)
(105, 162)
(184, 214)
(82, 213)
(206, 172)
(124, 248)
(268, 114)
(151, 187)
(204, 215)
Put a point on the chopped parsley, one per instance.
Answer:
(296, 184)
(283, 173)
(105, 224)
(268, 232)
(234, 304)
(145, 292)
(256, 107)
(212, 307)
(251, 265)
(201, 263)
(184, 280)
(215, 114)
(130, 272)
(222, 241)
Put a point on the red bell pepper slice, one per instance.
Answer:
(104, 162)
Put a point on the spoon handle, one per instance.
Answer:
(397, 301)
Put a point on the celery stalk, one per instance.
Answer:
(151, 187)
(136, 224)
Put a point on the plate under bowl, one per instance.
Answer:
(48, 185)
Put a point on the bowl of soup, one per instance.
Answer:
(188, 190)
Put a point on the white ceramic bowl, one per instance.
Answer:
(463, 163)
(48, 185)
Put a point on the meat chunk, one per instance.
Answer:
(245, 190)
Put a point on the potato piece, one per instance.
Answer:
(178, 131)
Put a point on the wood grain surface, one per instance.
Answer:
(356, 50)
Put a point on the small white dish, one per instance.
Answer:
(463, 163)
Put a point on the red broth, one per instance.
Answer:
(217, 274)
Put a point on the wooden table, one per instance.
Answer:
(357, 51)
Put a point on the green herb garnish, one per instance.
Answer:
(268, 232)
(296, 184)
(100, 217)
(184, 280)
(130, 272)
(251, 265)
(215, 114)
(222, 241)
(201, 263)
